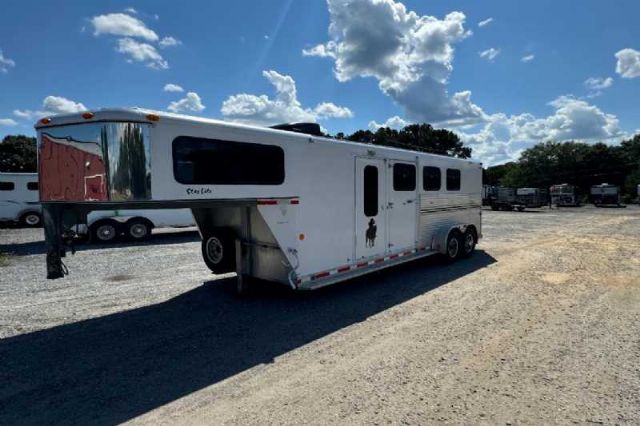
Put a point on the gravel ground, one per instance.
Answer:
(540, 326)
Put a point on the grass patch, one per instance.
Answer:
(4, 259)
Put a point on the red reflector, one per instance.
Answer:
(45, 120)
(153, 117)
(362, 264)
(393, 256)
(379, 260)
(295, 201)
(267, 202)
(321, 275)
(344, 269)
(87, 115)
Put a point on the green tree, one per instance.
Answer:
(417, 137)
(18, 153)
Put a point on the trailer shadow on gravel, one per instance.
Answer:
(39, 247)
(111, 369)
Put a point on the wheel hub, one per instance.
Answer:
(214, 250)
(106, 232)
(138, 230)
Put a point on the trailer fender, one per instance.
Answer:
(439, 240)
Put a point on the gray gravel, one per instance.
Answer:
(540, 326)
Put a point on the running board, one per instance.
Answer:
(348, 272)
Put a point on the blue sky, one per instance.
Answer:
(384, 62)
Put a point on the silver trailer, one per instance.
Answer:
(564, 195)
(605, 195)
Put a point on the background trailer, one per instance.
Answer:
(299, 209)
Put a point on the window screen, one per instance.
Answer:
(370, 191)
(32, 186)
(213, 161)
(7, 186)
(404, 177)
(431, 178)
(453, 180)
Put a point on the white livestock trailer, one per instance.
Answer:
(20, 203)
(19, 198)
(298, 209)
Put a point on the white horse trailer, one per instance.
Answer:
(19, 202)
(294, 208)
(19, 199)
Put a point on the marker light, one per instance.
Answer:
(87, 115)
(45, 120)
(153, 117)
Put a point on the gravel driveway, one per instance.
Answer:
(540, 326)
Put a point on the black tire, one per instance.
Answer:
(454, 245)
(494, 207)
(31, 219)
(138, 229)
(520, 209)
(105, 231)
(469, 241)
(219, 251)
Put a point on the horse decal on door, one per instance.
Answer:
(371, 234)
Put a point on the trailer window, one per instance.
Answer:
(7, 186)
(453, 180)
(404, 177)
(431, 178)
(213, 161)
(370, 191)
(32, 186)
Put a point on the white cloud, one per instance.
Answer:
(503, 137)
(170, 87)
(628, 65)
(485, 22)
(598, 83)
(191, 102)
(490, 54)
(120, 24)
(284, 108)
(394, 122)
(7, 122)
(169, 41)
(331, 110)
(60, 105)
(141, 52)
(410, 56)
(6, 63)
(51, 105)
(131, 10)
(528, 58)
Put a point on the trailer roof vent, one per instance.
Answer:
(306, 128)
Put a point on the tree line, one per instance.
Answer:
(575, 163)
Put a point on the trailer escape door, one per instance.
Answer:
(370, 212)
(401, 207)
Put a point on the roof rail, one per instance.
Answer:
(306, 128)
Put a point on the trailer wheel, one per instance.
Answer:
(469, 242)
(520, 208)
(218, 251)
(31, 219)
(138, 229)
(105, 231)
(454, 245)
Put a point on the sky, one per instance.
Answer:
(504, 75)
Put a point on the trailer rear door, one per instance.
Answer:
(402, 207)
